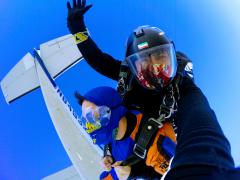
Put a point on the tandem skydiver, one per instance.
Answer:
(202, 150)
(152, 65)
(108, 121)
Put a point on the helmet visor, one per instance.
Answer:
(95, 118)
(154, 67)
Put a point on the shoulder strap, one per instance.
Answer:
(124, 79)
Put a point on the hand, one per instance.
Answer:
(122, 172)
(75, 22)
(107, 162)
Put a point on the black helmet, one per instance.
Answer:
(151, 57)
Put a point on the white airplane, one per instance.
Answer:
(40, 70)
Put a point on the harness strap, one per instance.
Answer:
(146, 134)
(151, 125)
(148, 131)
(131, 160)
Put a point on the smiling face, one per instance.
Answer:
(154, 67)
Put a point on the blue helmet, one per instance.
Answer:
(100, 122)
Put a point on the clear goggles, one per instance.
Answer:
(154, 67)
(95, 118)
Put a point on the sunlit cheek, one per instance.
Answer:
(86, 106)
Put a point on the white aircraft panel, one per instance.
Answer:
(84, 156)
(59, 54)
(21, 79)
(68, 173)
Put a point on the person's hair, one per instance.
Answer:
(79, 98)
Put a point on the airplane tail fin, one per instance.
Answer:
(21, 80)
(58, 55)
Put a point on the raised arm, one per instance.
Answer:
(101, 62)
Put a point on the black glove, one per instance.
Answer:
(75, 22)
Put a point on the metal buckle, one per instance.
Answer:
(139, 151)
(168, 106)
(159, 120)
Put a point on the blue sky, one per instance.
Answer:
(207, 31)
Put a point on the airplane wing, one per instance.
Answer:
(85, 156)
(68, 173)
(58, 54)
